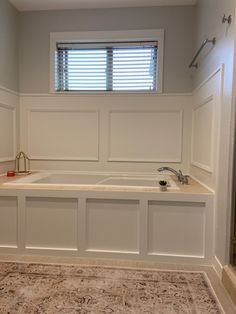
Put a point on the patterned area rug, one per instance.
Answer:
(45, 288)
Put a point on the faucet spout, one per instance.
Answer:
(182, 178)
(169, 169)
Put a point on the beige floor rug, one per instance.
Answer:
(45, 288)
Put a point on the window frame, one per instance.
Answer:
(107, 36)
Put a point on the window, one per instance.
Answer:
(84, 65)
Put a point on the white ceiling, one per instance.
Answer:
(32, 5)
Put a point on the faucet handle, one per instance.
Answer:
(183, 178)
(186, 179)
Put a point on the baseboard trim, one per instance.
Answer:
(229, 281)
(217, 266)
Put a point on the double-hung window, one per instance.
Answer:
(119, 66)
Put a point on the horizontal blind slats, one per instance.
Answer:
(118, 66)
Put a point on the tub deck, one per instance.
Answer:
(107, 182)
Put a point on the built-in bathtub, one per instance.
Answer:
(95, 179)
(106, 215)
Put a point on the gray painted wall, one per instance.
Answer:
(209, 14)
(35, 28)
(8, 46)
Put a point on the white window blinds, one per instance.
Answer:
(106, 66)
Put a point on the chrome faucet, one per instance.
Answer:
(183, 179)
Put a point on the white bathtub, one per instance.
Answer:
(94, 179)
(82, 215)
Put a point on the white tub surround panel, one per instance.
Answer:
(63, 134)
(175, 226)
(51, 223)
(117, 132)
(206, 129)
(206, 148)
(119, 222)
(203, 132)
(7, 132)
(8, 128)
(158, 226)
(8, 222)
(146, 136)
(9, 82)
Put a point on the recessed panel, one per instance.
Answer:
(7, 133)
(145, 136)
(51, 223)
(176, 228)
(202, 137)
(112, 225)
(69, 135)
(8, 221)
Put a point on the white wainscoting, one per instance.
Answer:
(7, 132)
(8, 124)
(63, 134)
(117, 132)
(119, 222)
(185, 232)
(51, 223)
(8, 222)
(206, 113)
(203, 133)
(164, 227)
(145, 136)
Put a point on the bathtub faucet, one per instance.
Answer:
(183, 179)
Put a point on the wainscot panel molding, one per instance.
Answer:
(109, 216)
(41, 217)
(181, 218)
(206, 111)
(78, 132)
(63, 134)
(8, 124)
(150, 226)
(203, 132)
(145, 136)
(7, 132)
(8, 222)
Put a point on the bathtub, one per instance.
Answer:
(112, 180)
(106, 215)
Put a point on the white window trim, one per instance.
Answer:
(108, 36)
